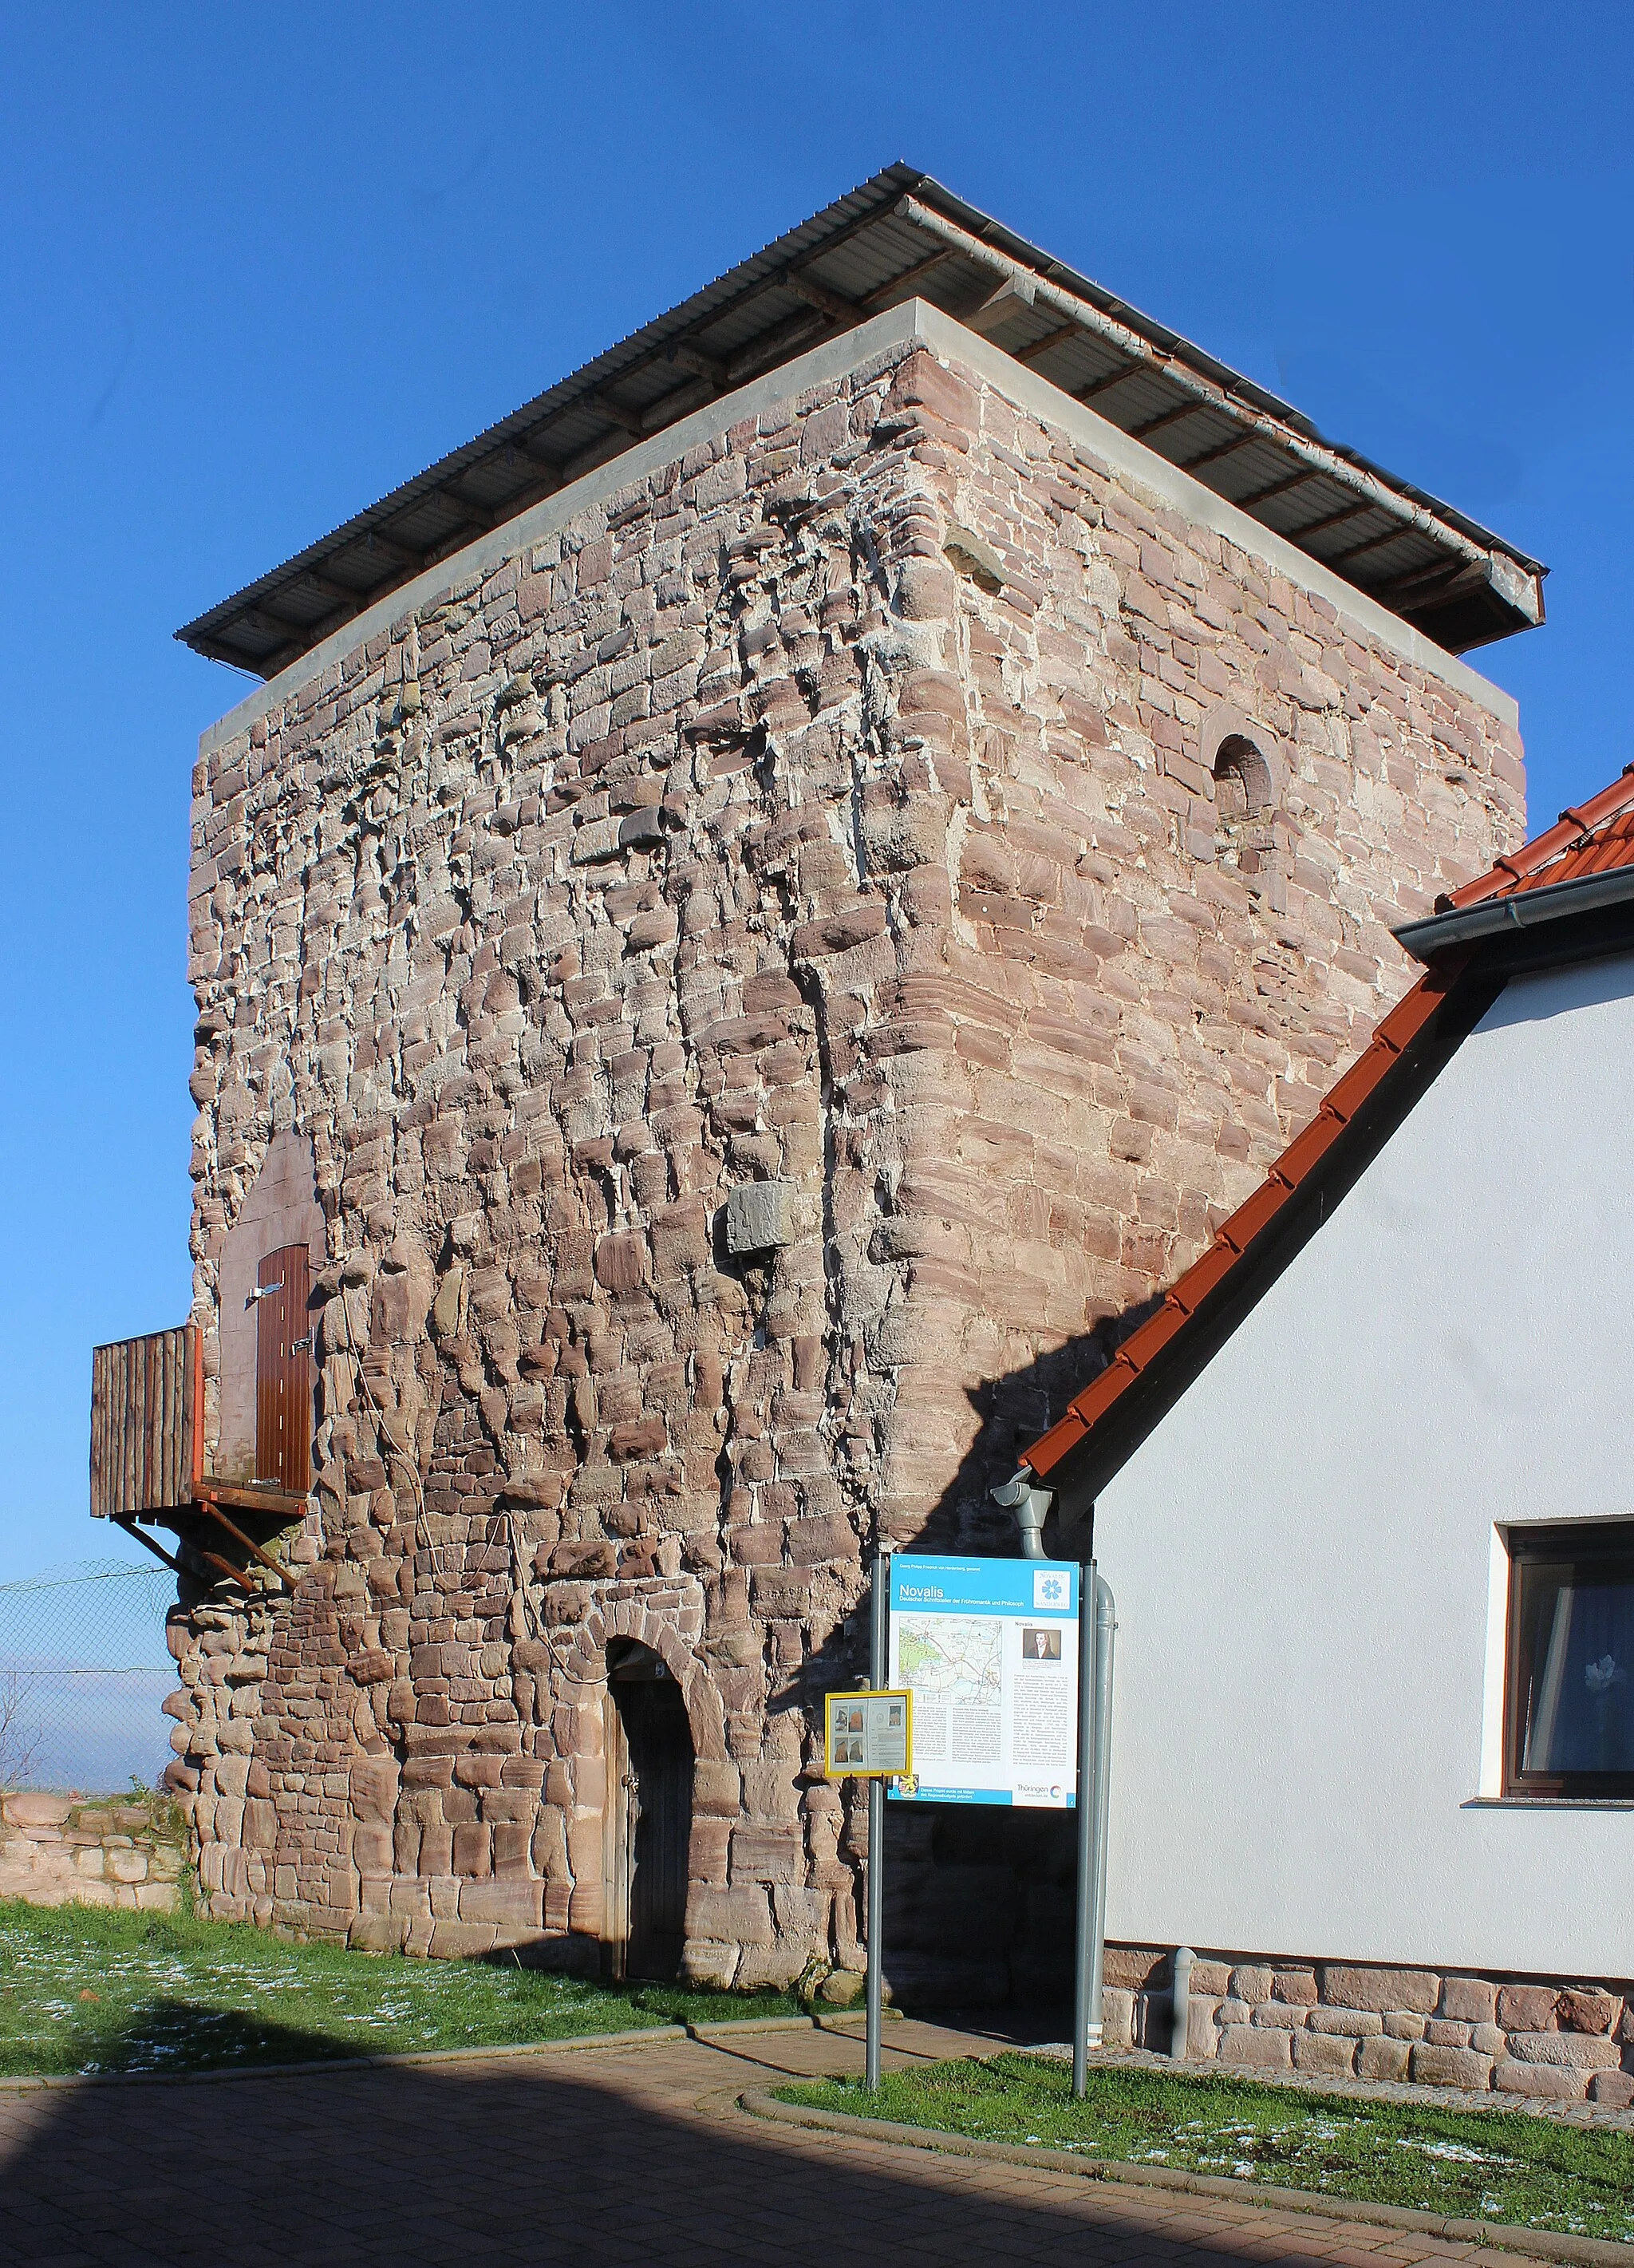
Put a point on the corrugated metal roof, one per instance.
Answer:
(868, 251)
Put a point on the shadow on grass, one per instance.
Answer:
(95, 1993)
(167, 2038)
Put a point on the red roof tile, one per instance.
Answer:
(1596, 836)
(1205, 1275)
(1591, 839)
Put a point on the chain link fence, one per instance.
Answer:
(84, 1670)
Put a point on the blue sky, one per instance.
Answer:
(258, 266)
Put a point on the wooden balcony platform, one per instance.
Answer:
(147, 1455)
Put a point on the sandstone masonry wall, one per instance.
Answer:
(1135, 1000)
(107, 1851)
(829, 809)
(1519, 2034)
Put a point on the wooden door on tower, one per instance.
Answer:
(649, 1803)
(283, 1371)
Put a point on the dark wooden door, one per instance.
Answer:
(284, 1372)
(654, 1788)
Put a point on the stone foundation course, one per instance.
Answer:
(1569, 2042)
(106, 1851)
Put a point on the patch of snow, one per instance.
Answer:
(1457, 2152)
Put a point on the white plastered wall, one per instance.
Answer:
(1310, 1608)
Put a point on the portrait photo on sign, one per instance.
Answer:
(1040, 1644)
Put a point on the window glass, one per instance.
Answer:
(1571, 1662)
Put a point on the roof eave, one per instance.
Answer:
(1509, 922)
(1553, 902)
(1104, 1426)
(1455, 582)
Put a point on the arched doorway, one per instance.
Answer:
(648, 1818)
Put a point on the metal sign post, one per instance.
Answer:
(877, 1610)
(869, 1735)
(1088, 1838)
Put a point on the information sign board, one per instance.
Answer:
(867, 1735)
(989, 1650)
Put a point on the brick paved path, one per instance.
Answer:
(596, 2157)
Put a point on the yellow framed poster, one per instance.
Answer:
(868, 1735)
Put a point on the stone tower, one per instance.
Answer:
(738, 973)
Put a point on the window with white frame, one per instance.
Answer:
(1571, 1681)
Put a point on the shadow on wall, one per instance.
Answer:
(980, 1900)
(546, 2158)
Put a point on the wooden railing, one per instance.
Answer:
(147, 1423)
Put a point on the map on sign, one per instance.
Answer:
(952, 1657)
(989, 1650)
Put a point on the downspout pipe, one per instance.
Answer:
(1084, 1945)
(1098, 1628)
(1022, 1495)
(1179, 2018)
(1106, 1632)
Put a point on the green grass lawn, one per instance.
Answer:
(86, 1989)
(1476, 2165)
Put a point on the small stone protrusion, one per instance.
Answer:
(760, 1217)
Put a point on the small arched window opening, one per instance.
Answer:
(1242, 804)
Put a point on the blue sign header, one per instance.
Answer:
(926, 1586)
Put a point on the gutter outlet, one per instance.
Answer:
(1022, 1495)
